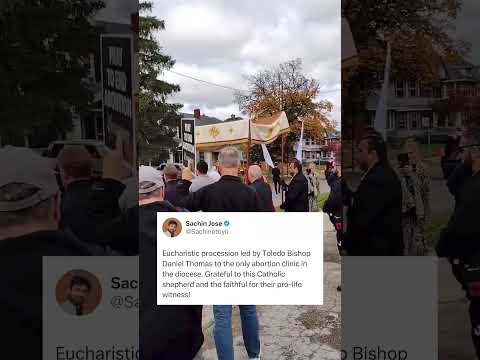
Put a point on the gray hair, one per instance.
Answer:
(255, 172)
(229, 157)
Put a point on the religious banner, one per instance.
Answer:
(264, 130)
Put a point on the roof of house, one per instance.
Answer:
(209, 120)
(204, 120)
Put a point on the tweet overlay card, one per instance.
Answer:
(90, 308)
(239, 258)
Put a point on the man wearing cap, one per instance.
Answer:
(168, 332)
(29, 214)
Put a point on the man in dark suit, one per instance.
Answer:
(296, 197)
(227, 194)
(230, 194)
(276, 178)
(263, 190)
(374, 224)
(459, 241)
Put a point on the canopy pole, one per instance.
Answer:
(282, 163)
(249, 141)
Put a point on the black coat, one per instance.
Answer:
(167, 332)
(296, 198)
(227, 194)
(21, 277)
(276, 173)
(264, 193)
(177, 191)
(334, 205)
(89, 205)
(374, 223)
(461, 238)
(457, 178)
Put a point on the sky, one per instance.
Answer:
(222, 41)
(467, 27)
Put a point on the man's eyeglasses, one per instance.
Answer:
(461, 149)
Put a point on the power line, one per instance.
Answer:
(330, 91)
(205, 81)
(228, 87)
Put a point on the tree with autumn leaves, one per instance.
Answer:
(286, 88)
(420, 38)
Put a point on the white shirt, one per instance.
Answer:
(214, 175)
(201, 181)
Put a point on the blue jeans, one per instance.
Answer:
(223, 331)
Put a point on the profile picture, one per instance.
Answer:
(172, 227)
(78, 292)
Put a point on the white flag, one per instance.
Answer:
(266, 156)
(300, 146)
(381, 112)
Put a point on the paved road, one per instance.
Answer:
(294, 332)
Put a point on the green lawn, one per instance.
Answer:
(320, 199)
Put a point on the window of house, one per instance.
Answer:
(401, 120)
(412, 88)
(414, 120)
(451, 120)
(426, 91)
(399, 89)
(450, 89)
(441, 120)
(390, 119)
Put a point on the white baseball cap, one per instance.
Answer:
(24, 166)
(149, 180)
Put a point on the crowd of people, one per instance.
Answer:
(175, 189)
(43, 213)
(387, 213)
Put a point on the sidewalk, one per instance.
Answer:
(293, 332)
(454, 339)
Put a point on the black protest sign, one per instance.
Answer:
(188, 139)
(118, 101)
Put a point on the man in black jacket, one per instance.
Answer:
(263, 190)
(227, 194)
(29, 215)
(374, 224)
(166, 332)
(459, 241)
(333, 206)
(296, 197)
(276, 178)
(230, 194)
